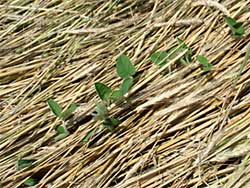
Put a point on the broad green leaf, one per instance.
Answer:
(236, 27)
(68, 112)
(23, 163)
(116, 95)
(30, 182)
(159, 58)
(111, 123)
(88, 136)
(126, 85)
(55, 108)
(103, 91)
(206, 66)
(124, 67)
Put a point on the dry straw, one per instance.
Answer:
(180, 127)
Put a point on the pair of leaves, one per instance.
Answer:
(206, 66)
(161, 57)
(105, 93)
(125, 69)
(57, 110)
(236, 27)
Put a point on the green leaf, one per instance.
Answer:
(103, 91)
(181, 43)
(61, 136)
(124, 67)
(30, 182)
(88, 136)
(62, 132)
(188, 55)
(55, 108)
(111, 123)
(116, 95)
(67, 113)
(206, 66)
(236, 27)
(126, 85)
(60, 129)
(23, 163)
(230, 21)
(238, 32)
(101, 110)
(159, 58)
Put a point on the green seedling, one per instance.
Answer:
(236, 27)
(69, 111)
(23, 163)
(188, 55)
(62, 115)
(125, 70)
(206, 66)
(161, 58)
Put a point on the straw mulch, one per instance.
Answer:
(180, 127)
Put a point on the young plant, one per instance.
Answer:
(62, 115)
(161, 58)
(126, 70)
(236, 27)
